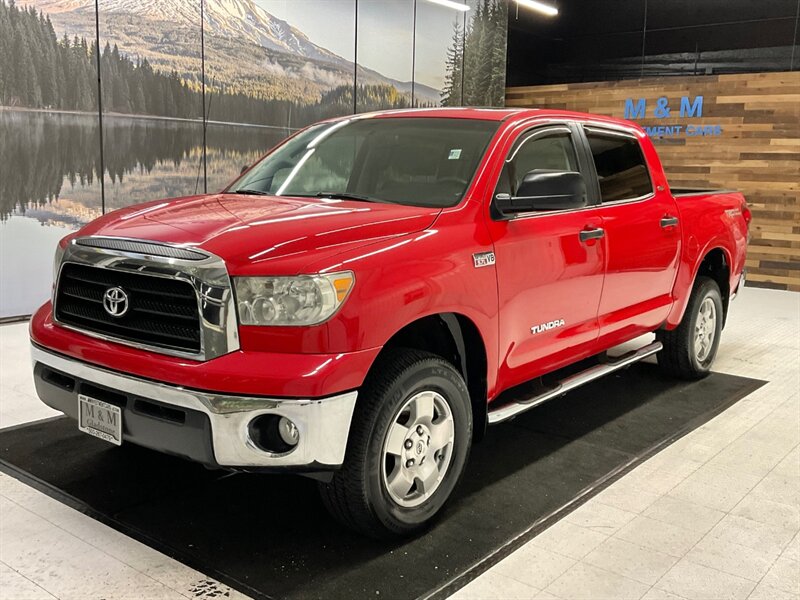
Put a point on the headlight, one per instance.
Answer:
(301, 300)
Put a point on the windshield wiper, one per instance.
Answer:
(346, 196)
(251, 192)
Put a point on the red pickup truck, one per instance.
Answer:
(362, 302)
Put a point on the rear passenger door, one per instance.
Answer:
(643, 236)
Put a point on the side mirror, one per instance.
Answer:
(544, 189)
(244, 168)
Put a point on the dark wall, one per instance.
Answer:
(604, 40)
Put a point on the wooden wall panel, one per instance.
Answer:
(757, 153)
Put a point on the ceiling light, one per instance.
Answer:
(451, 4)
(545, 9)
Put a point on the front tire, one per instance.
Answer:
(690, 349)
(408, 444)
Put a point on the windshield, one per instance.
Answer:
(406, 160)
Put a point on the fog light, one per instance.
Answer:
(273, 433)
(288, 431)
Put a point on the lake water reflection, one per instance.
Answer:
(49, 181)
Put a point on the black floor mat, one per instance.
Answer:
(269, 536)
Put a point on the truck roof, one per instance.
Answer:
(500, 114)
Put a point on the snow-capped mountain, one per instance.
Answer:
(247, 48)
(236, 19)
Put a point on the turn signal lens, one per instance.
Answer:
(342, 286)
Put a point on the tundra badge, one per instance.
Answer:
(483, 259)
(546, 326)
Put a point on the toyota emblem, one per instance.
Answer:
(115, 301)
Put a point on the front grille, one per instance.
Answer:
(161, 312)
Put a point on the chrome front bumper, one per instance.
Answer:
(323, 424)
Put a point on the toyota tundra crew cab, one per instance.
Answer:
(363, 301)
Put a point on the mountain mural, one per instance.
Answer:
(260, 71)
(248, 50)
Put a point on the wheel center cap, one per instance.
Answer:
(416, 445)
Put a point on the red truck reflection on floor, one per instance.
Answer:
(364, 300)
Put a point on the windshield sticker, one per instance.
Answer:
(455, 154)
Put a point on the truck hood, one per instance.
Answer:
(249, 231)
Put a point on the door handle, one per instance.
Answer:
(592, 234)
(669, 221)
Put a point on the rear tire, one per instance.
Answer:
(408, 444)
(689, 349)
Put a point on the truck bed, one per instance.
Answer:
(679, 192)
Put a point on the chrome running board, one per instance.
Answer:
(512, 409)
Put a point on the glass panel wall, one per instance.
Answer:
(49, 144)
(152, 102)
(385, 47)
(485, 32)
(438, 55)
(257, 70)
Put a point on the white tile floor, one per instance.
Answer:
(714, 516)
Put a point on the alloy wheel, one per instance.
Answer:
(705, 329)
(418, 449)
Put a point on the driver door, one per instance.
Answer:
(550, 276)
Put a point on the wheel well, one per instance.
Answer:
(715, 265)
(456, 339)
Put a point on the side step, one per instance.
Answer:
(510, 410)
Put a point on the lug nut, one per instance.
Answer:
(408, 444)
(420, 430)
(409, 463)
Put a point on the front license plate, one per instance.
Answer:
(100, 419)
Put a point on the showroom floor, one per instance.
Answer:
(715, 515)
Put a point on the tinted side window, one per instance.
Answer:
(551, 152)
(620, 166)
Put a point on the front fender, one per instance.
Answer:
(405, 279)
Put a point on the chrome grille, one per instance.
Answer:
(162, 311)
(178, 304)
